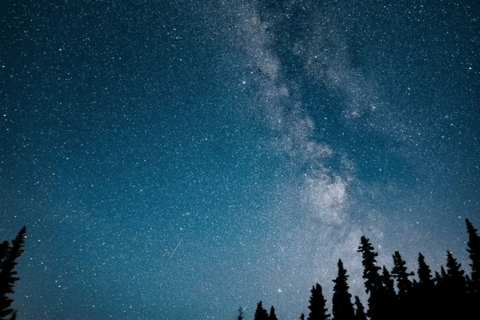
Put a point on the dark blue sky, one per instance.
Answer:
(179, 160)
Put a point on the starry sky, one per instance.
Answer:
(180, 159)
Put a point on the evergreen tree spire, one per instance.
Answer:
(272, 315)
(424, 273)
(318, 311)
(474, 252)
(373, 284)
(370, 269)
(342, 305)
(399, 272)
(8, 276)
(261, 313)
(240, 313)
(454, 273)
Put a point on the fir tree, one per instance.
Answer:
(318, 311)
(474, 254)
(423, 293)
(9, 253)
(359, 310)
(424, 273)
(370, 269)
(399, 272)
(342, 305)
(455, 279)
(473, 284)
(387, 282)
(387, 301)
(272, 315)
(373, 284)
(240, 313)
(302, 317)
(453, 290)
(261, 313)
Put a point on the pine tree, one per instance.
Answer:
(342, 305)
(453, 293)
(373, 284)
(302, 317)
(474, 254)
(240, 313)
(359, 310)
(261, 313)
(370, 269)
(387, 305)
(423, 293)
(455, 276)
(399, 272)
(318, 311)
(424, 273)
(404, 285)
(272, 315)
(387, 282)
(9, 253)
(473, 249)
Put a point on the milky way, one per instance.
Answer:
(182, 160)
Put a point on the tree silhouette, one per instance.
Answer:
(423, 293)
(261, 313)
(400, 273)
(473, 249)
(448, 295)
(424, 273)
(359, 310)
(240, 313)
(373, 284)
(387, 300)
(474, 254)
(318, 311)
(342, 308)
(9, 252)
(272, 315)
(404, 284)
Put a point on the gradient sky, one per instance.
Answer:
(179, 159)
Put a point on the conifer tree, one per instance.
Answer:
(452, 289)
(399, 272)
(342, 305)
(272, 315)
(9, 253)
(359, 310)
(423, 294)
(387, 282)
(261, 313)
(455, 276)
(424, 273)
(318, 311)
(373, 284)
(240, 313)
(473, 284)
(370, 269)
(387, 301)
(302, 317)
(474, 254)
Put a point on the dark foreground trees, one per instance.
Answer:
(392, 295)
(9, 252)
(342, 304)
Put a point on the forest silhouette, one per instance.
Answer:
(392, 295)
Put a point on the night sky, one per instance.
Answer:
(180, 159)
